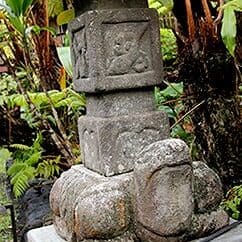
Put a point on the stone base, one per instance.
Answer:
(44, 234)
(48, 234)
(87, 205)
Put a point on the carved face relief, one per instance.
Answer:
(80, 54)
(127, 48)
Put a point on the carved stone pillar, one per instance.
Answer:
(117, 61)
(134, 183)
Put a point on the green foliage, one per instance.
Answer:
(168, 44)
(29, 164)
(69, 100)
(228, 31)
(5, 154)
(55, 7)
(232, 203)
(162, 6)
(18, 7)
(5, 223)
(48, 168)
(34, 70)
(169, 100)
(65, 17)
(64, 54)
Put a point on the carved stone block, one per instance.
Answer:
(74, 199)
(163, 188)
(117, 104)
(110, 145)
(116, 49)
(208, 190)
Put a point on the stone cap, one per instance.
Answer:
(116, 49)
(86, 5)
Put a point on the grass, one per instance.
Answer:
(5, 221)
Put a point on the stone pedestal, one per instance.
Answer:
(135, 183)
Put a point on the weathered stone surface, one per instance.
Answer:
(163, 188)
(88, 205)
(83, 6)
(64, 196)
(126, 237)
(109, 145)
(48, 234)
(207, 188)
(204, 224)
(234, 235)
(117, 104)
(146, 235)
(230, 233)
(44, 234)
(116, 49)
(104, 211)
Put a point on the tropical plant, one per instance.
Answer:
(28, 50)
(229, 30)
(232, 203)
(211, 84)
(170, 100)
(168, 45)
(162, 6)
(29, 164)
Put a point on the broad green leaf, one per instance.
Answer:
(65, 17)
(25, 5)
(64, 54)
(55, 7)
(228, 31)
(174, 90)
(169, 111)
(15, 6)
(17, 24)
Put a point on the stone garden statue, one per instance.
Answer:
(135, 183)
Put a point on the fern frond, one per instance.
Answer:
(37, 143)
(33, 159)
(16, 168)
(48, 168)
(20, 147)
(21, 180)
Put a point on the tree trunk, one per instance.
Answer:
(210, 78)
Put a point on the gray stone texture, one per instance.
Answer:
(43, 234)
(116, 49)
(117, 61)
(233, 235)
(145, 235)
(89, 206)
(163, 188)
(207, 188)
(83, 6)
(204, 224)
(110, 145)
(118, 104)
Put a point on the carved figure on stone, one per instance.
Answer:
(127, 57)
(80, 51)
